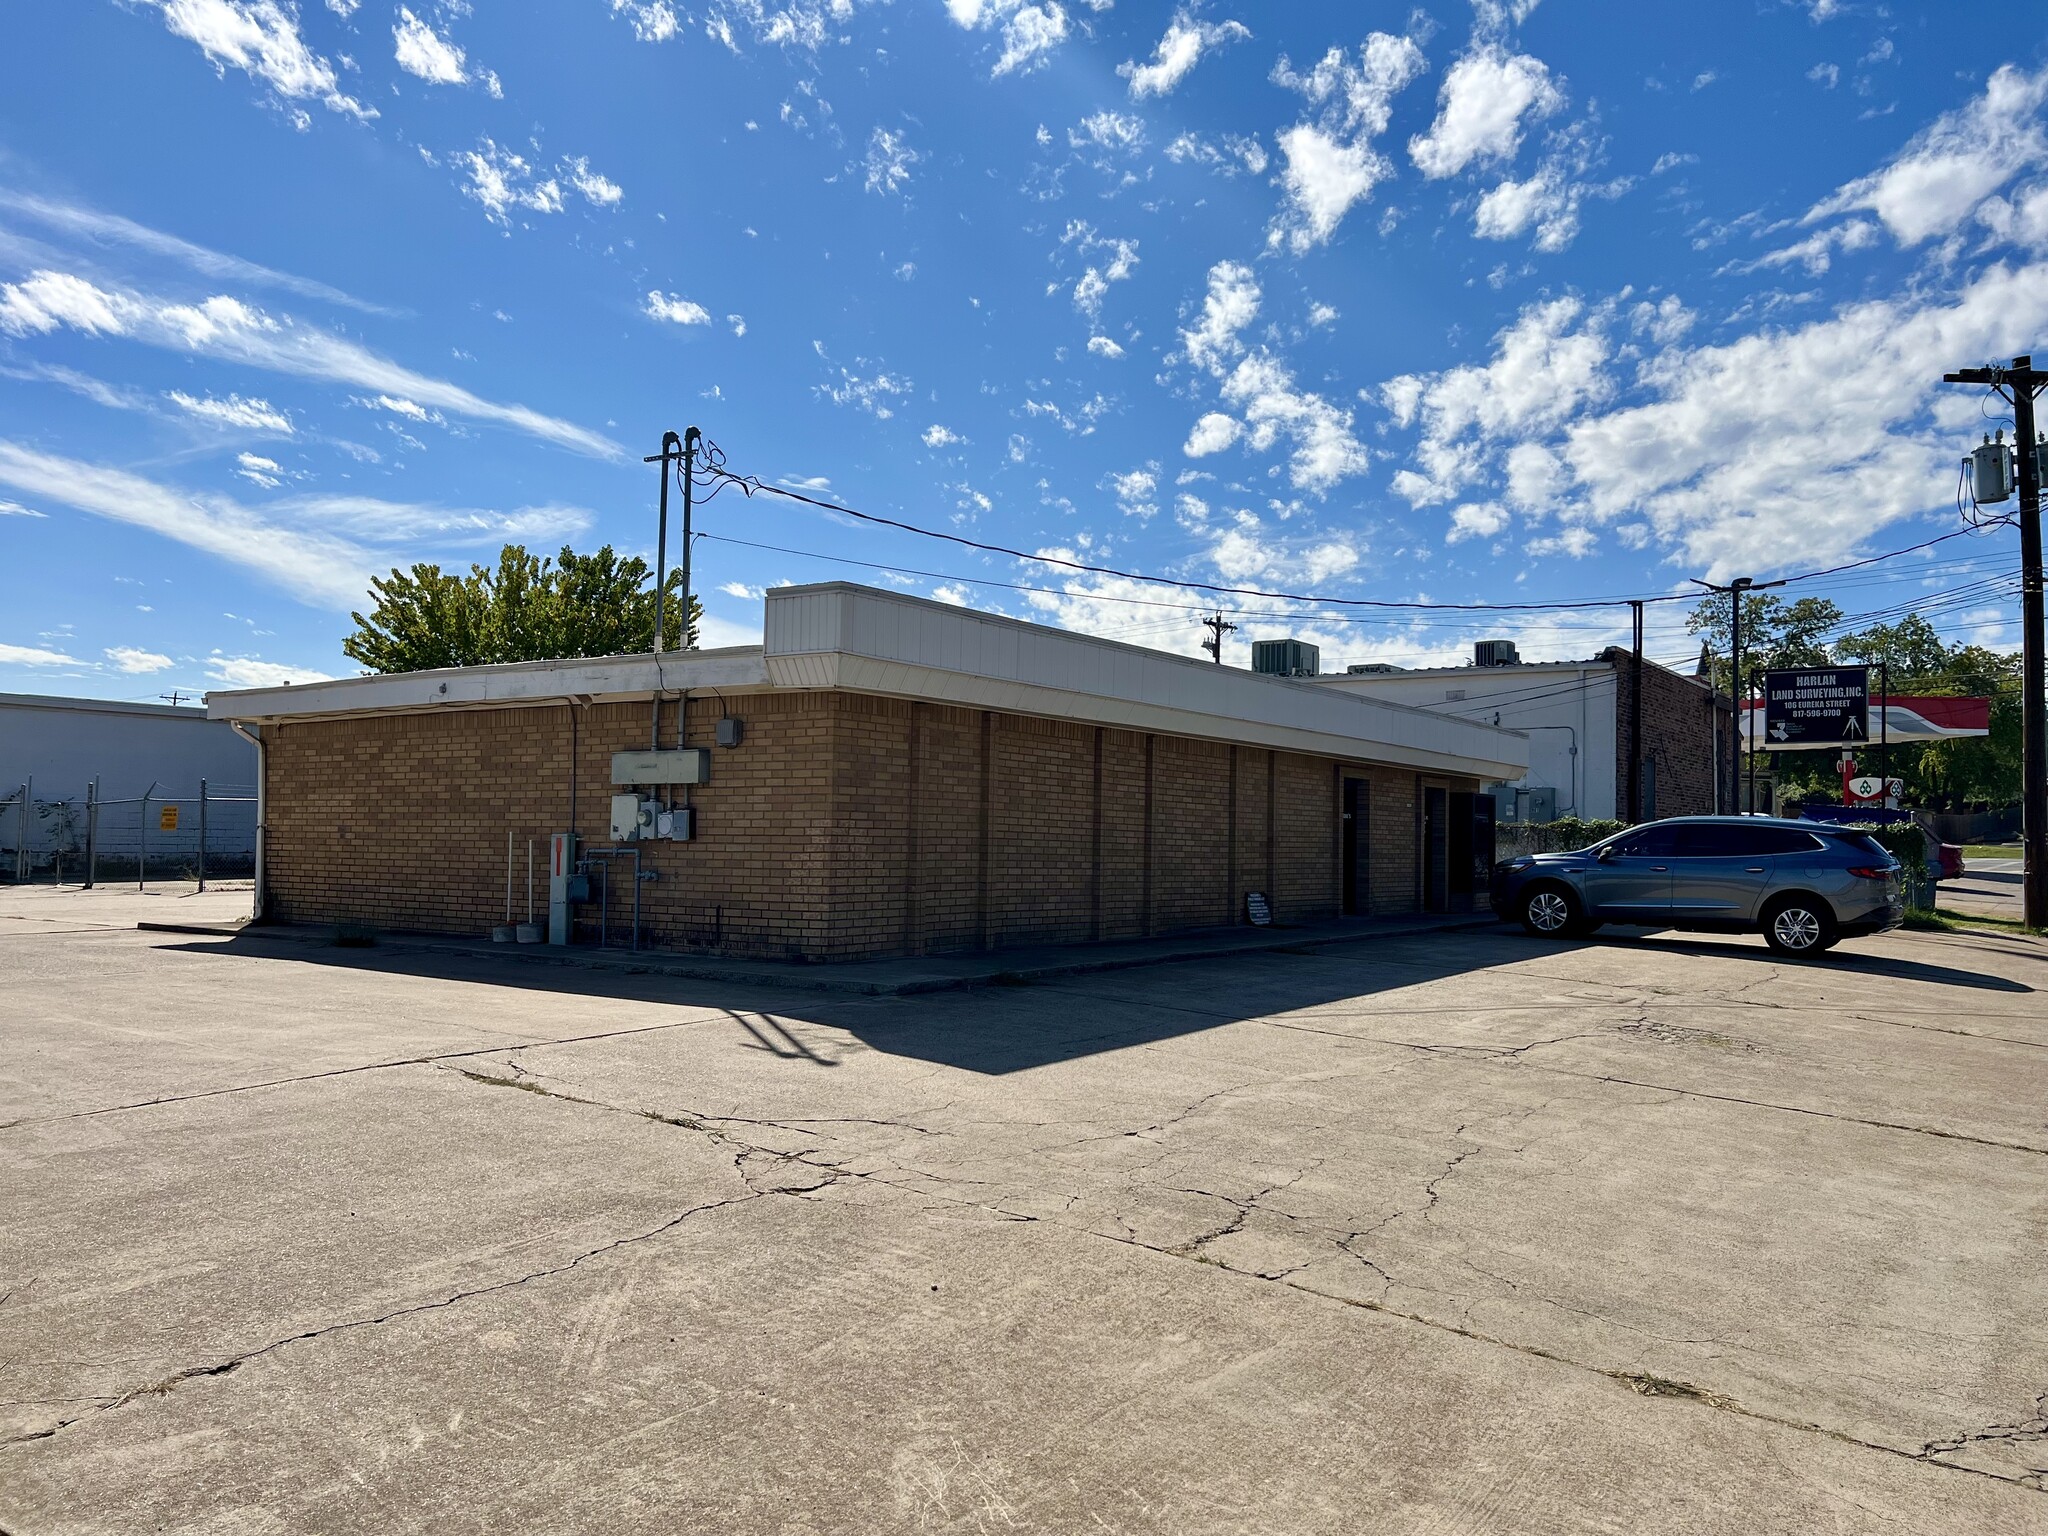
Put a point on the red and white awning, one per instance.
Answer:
(1899, 720)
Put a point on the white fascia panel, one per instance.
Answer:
(509, 686)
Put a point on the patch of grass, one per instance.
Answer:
(1944, 920)
(1990, 851)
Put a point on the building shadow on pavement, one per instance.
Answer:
(1001, 1027)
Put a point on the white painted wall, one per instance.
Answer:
(64, 743)
(1559, 705)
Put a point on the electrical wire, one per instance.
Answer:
(750, 485)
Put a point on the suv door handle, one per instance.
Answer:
(1660, 869)
(1753, 869)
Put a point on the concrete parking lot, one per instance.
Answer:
(1456, 1232)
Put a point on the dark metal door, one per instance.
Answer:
(1435, 851)
(1356, 832)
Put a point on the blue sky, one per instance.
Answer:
(1500, 302)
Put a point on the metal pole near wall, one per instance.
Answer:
(25, 859)
(92, 828)
(202, 834)
(1635, 720)
(142, 843)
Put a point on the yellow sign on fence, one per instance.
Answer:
(167, 819)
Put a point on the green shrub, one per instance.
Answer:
(1568, 834)
(1903, 840)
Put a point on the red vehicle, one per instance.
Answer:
(1948, 864)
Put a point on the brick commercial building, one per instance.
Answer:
(885, 775)
(1576, 715)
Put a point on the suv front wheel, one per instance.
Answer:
(1550, 912)
(1799, 925)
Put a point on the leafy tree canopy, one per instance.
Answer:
(526, 608)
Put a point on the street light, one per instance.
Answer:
(1735, 590)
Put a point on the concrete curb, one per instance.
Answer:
(1018, 970)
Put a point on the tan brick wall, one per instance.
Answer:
(843, 826)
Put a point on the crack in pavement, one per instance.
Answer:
(168, 1384)
(2028, 1431)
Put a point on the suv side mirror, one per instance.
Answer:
(1606, 855)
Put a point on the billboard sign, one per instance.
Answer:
(1806, 707)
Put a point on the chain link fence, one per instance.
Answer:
(87, 840)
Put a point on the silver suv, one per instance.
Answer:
(1803, 884)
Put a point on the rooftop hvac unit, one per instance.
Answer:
(1286, 658)
(1372, 668)
(1495, 653)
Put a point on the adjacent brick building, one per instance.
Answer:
(906, 778)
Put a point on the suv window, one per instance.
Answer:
(1862, 842)
(1725, 840)
(1650, 843)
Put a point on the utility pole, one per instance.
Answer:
(1635, 720)
(683, 449)
(2019, 384)
(1735, 590)
(1219, 626)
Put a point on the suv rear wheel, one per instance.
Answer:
(1550, 911)
(1799, 925)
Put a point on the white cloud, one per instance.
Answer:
(1212, 434)
(1671, 160)
(256, 415)
(423, 52)
(1817, 251)
(1827, 75)
(1475, 521)
(503, 181)
(1331, 162)
(262, 38)
(251, 672)
(267, 473)
(1178, 52)
(1320, 315)
(1029, 36)
(1324, 449)
(1663, 322)
(873, 394)
(1235, 154)
(133, 660)
(1232, 303)
(1117, 131)
(316, 566)
(655, 23)
(1102, 346)
(1480, 110)
(1268, 403)
(97, 226)
(231, 331)
(35, 656)
(1135, 490)
(16, 509)
(1577, 540)
(889, 160)
(1120, 259)
(598, 191)
(675, 309)
(1546, 367)
(1937, 181)
(936, 436)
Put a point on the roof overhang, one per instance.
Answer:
(836, 635)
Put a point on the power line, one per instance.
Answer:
(750, 484)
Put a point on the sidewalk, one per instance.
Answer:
(875, 978)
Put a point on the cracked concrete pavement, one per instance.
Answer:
(1453, 1232)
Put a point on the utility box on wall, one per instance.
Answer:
(675, 765)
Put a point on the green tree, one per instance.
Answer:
(526, 608)
(1775, 633)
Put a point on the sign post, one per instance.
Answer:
(1807, 707)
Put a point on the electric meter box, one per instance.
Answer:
(674, 765)
(632, 818)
